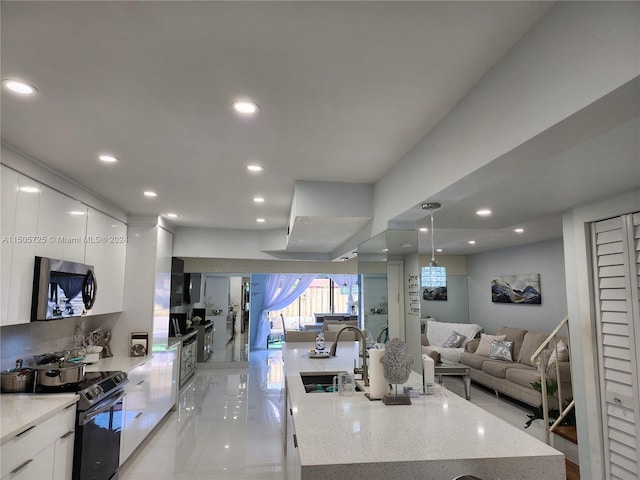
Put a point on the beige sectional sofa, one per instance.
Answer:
(514, 378)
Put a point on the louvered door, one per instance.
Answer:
(617, 269)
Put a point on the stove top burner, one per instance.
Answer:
(93, 388)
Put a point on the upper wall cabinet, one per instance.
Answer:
(20, 203)
(39, 221)
(9, 189)
(62, 222)
(106, 250)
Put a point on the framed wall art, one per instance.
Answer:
(520, 289)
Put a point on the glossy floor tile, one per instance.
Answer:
(228, 425)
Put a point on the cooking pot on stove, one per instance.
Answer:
(59, 375)
(18, 380)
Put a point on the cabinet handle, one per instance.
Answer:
(68, 434)
(291, 412)
(138, 415)
(17, 469)
(27, 430)
(295, 441)
(617, 401)
(140, 383)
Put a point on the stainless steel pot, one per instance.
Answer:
(61, 374)
(18, 380)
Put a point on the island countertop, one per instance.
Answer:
(438, 436)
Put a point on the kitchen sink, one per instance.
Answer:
(319, 382)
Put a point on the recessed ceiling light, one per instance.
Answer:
(484, 212)
(254, 168)
(76, 212)
(424, 229)
(519, 230)
(172, 215)
(385, 249)
(149, 193)
(21, 88)
(406, 245)
(29, 189)
(258, 199)
(472, 242)
(438, 249)
(108, 158)
(260, 220)
(245, 107)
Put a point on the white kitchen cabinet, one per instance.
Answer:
(62, 221)
(138, 414)
(23, 239)
(37, 467)
(37, 221)
(106, 250)
(9, 188)
(63, 461)
(293, 468)
(150, 394)
(164, 380)
(31, 454)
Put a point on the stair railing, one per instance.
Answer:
(538, 358)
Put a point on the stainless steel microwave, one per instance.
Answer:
(62, 289)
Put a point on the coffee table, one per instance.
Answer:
(455, 369)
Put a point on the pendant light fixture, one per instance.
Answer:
(433, 276)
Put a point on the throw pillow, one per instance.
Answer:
(530, 344)
(515, 335)
(484, 348)
(454, 340)
(501, 350)
(562, 354)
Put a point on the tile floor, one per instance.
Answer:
(228, 425)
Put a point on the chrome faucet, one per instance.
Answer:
(381, 332)
(363, 343)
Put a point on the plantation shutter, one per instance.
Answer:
(617, 272)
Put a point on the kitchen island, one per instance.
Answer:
(438, 437)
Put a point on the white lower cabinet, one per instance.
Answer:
(150, 394)
(43, 451)
(37, 467)
(63, 461)
(293, 468)
(136, 421)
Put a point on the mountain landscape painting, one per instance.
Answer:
(522, 289)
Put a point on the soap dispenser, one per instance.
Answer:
(320, 343)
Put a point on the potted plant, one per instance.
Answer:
(554, 413)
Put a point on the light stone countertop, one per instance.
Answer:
(439, 435)
(21, 411)
(126, 364)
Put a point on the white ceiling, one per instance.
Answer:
(345, 89)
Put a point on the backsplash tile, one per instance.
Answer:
(29, 339)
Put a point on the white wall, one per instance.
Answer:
(216, 293)
(545, 258)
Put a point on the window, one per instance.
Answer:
(322, 296)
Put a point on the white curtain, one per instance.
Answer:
(348, 280)
(280, 291)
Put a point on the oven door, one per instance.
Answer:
(97, 448)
